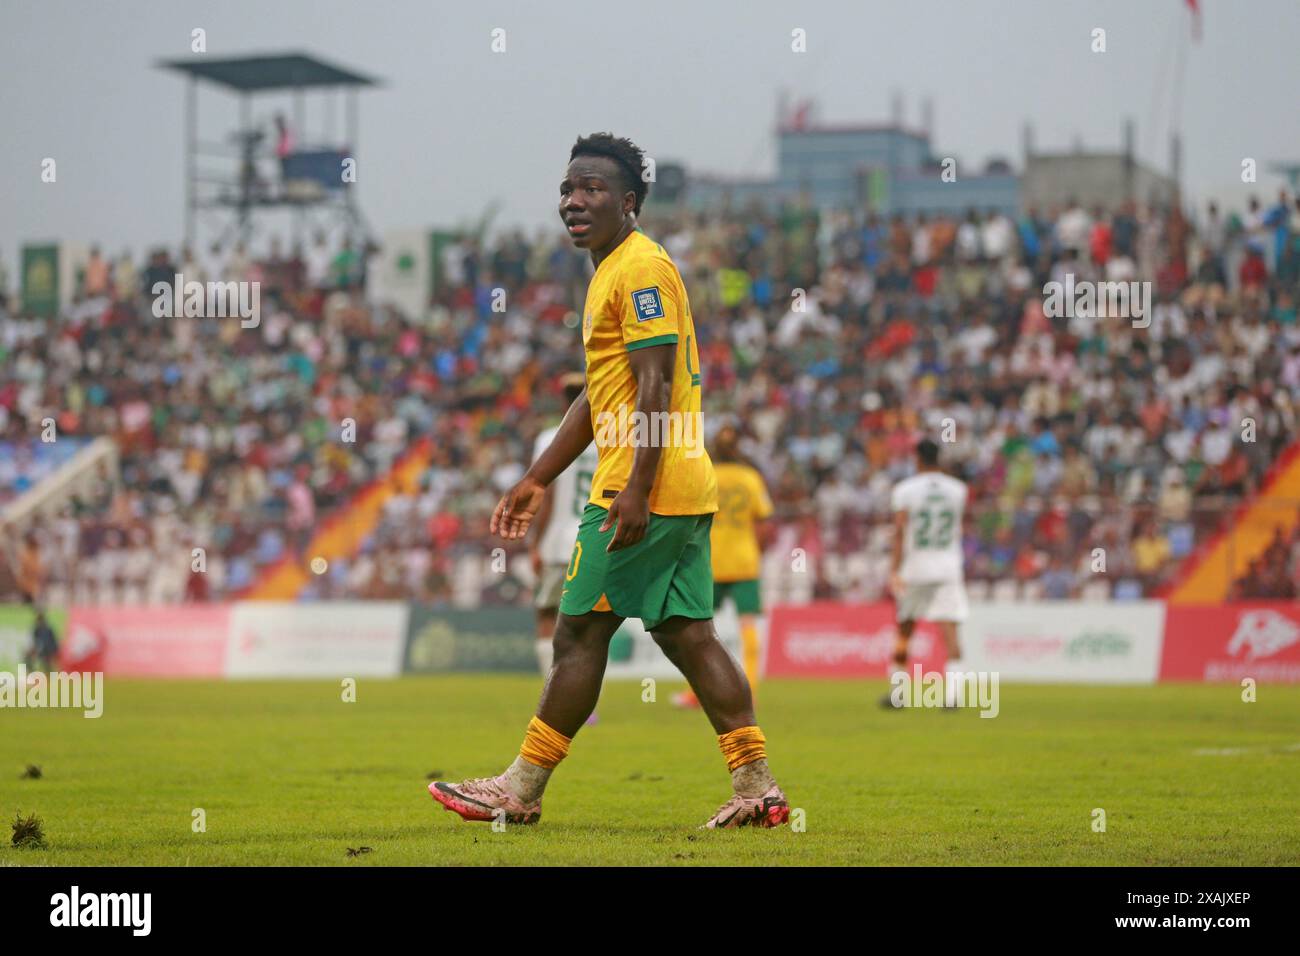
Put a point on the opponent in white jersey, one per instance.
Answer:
(926, 571)
(556, 527)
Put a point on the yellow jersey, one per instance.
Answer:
(637, 300)
(742, 500)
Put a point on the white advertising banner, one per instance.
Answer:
(338, 639)
(402, 278)
(1116, 642)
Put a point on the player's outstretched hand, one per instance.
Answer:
(632, 514)
(515, 511)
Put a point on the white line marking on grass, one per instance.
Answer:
(1238, 751)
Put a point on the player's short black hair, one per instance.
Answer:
(627, 154)
(927, 452)
(726, 443)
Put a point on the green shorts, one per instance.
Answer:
(668, 573)
(744, 593)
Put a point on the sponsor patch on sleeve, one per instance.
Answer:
(648, 304)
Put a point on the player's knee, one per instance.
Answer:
(577, 634)
(565, 637)
(668, 643)
(671, 640)
(678, 634)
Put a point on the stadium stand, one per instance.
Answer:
(832, 340)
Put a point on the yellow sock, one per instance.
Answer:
(743, 745)
(544, 745)
(749, 653)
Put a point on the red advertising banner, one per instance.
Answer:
(826, 639)
(185, 640)
(1232, 641)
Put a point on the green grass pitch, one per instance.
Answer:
(288, 773)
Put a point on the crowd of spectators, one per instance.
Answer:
(1273, 574)
(1100, 451)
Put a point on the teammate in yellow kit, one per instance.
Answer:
(739, 533)
(642, 546)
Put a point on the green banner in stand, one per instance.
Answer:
(439, 240)
(487, 639)
(878, 189)
(40, 280)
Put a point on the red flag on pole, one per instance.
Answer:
(799, 118)
(1195, 7)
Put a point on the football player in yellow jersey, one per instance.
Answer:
(643, 544)
(737, 543)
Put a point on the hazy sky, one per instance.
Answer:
(456, 126)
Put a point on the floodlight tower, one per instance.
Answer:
(312, 181)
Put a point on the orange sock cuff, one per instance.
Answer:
(544, 745)
(742, 745)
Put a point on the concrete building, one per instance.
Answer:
(1093, 179)
(893, 169)
(885, 167)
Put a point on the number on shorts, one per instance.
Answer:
(572, 572)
